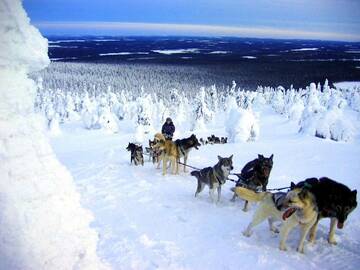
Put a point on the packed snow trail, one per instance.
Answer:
(148, 221)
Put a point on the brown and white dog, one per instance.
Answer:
(297, 208)
(173, 150)
(169, 152)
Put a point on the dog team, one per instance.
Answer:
(303, 205)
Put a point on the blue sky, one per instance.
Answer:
(314, 19)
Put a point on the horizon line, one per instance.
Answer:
(174, 29)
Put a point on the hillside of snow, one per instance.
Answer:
(69, 198)
(148, 221)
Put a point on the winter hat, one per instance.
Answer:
(168, 119)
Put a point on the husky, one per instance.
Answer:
(173, 150)
(297, 207)
(214, 177)
(223, 140)
(185, 146)
(136, 154)
(169, 152)
(255, 175)
(213, 139)
(159, 137)
(152, 151)
(335, 201)
(156, 152)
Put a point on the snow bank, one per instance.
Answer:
(242, 126)
(347, 85)
(43, 225)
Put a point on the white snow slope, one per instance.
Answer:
(148, 221)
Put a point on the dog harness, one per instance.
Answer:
(218, 178)
(278, 199)
(182, 150)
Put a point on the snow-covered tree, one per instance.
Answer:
(242, 125)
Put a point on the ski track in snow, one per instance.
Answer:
(147, 221)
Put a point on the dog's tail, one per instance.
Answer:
(195, 173)
(248, 194)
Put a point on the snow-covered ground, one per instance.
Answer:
(347, 85)
(148, 221)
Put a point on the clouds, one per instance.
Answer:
(339, 17)
(128, 28)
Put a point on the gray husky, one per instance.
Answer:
(214, 177)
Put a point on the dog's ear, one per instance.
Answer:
(292, 185)
(231, 157)
(271, 157)
(260, 156)
(354, 193)
(219, 158)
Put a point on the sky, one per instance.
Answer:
(300, 19)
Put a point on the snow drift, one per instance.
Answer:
(43, 225)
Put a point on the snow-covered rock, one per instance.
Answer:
(43, 225)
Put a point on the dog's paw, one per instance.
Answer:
(300, 250)
(312, 239)
(275, 230)
(283, 247)
(245, 209)
(332, 241)
(246, 233)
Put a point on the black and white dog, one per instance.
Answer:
(214, 177)
(184, 147)
(136, 155)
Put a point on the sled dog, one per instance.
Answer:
(136, 154)
(214, 177)
(255, 175)
(155, 149)
(154, 154)
(169, 152)
(297, 207)
(335, 201)
(185, 145)
(173, 150)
